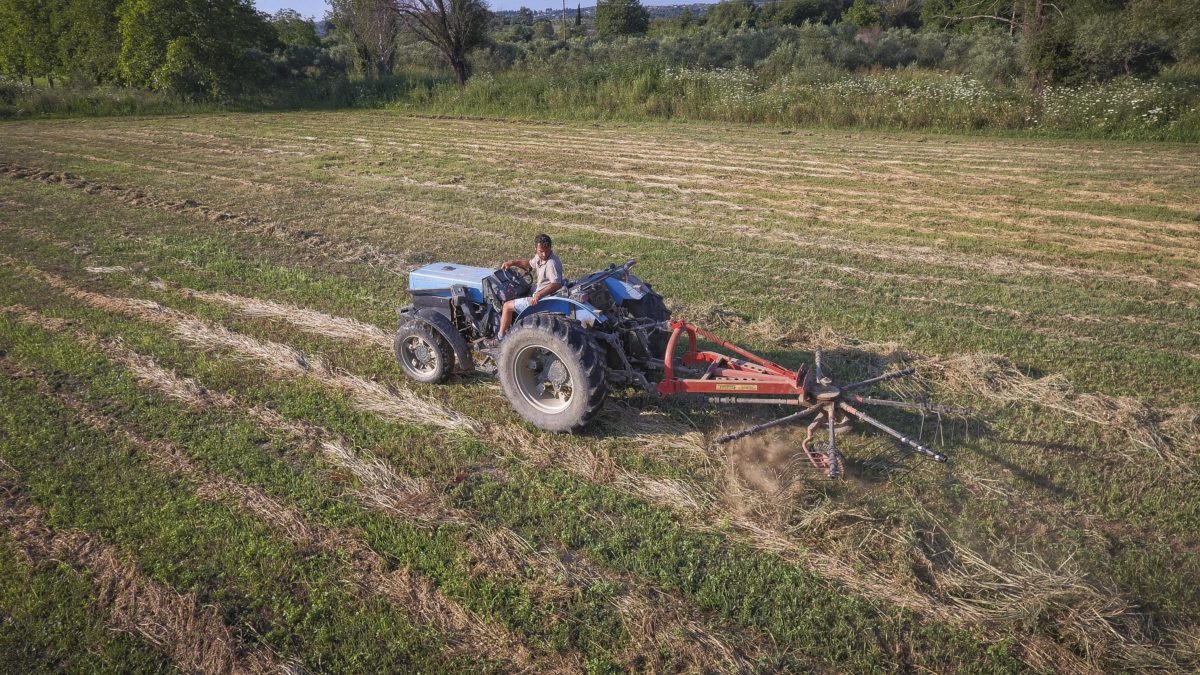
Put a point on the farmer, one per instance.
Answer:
(547, 279)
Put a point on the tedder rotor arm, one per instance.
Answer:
(936, 456)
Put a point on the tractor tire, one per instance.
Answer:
(423, 354)
(552, 373)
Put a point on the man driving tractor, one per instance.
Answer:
(547, 279)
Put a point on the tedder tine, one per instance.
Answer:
(922, 407)
(881, 378)
(831, 457)
(937, 456)
(768, 425)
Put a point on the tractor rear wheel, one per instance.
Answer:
(422, 353)
(552, 372)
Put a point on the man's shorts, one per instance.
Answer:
(521, 304)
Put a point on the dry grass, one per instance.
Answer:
(310, 321)
(360, 252)
(1168, 435)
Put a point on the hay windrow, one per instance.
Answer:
(195, 637)
(397, 404)
(1172, 435)
(305, 319)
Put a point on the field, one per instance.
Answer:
(209, 459)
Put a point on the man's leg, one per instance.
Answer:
(511, 308)
(506, 317)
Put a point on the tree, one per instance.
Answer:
(453, 27)
(729, 15)
(371, 27)
(797, 12)
(87, 47)
(864, 14)
(621, 17)
(543, 29)
(1032, 21)
(29, 38)
(196, 48)
(578, 15)
(294, 30)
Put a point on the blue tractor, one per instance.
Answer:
(608, 330)
(557, 363)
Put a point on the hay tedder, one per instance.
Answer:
(610, 329)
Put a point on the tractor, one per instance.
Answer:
(610, 330)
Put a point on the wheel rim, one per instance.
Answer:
(543, 379)
(418, 355)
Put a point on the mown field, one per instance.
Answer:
(209, 460)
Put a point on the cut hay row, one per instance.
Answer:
(762, 151)
(362, 252)
(605, 145)
(655, 620)
(467, 633)
(964, 595)
(1170, 435)
(992, 379)
(761, 205)
(684, 153)
(396, 404)
(893, 252)
(310, 321)
(1086, 236)
(370, 254)
(195, 637)
(699, 168)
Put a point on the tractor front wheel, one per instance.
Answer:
(423, 354)
(552, 373)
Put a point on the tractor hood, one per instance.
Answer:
(441, 275)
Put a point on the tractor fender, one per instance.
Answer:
(462, 354)
(584, 314)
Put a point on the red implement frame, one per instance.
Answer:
(728, 375)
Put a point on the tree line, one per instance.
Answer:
(222, 49)
(225, 49)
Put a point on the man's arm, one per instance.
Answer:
(523, 264)
(549, 289)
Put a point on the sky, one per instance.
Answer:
(317, 8)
